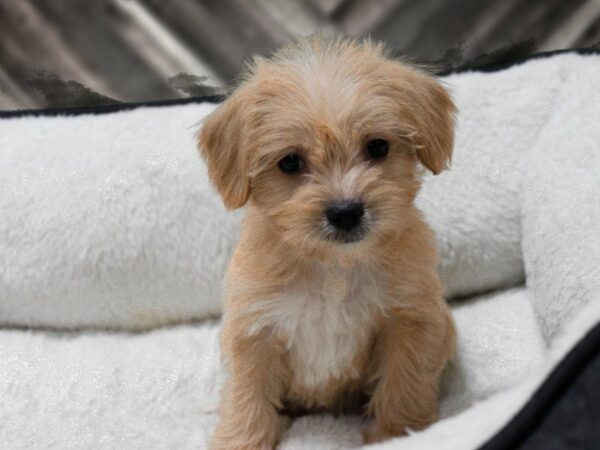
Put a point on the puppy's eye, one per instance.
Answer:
(291, 163)
(378, 148)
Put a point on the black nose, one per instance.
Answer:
(345, 215)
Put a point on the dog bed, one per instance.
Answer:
(113, 245)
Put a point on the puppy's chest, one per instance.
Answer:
(327, 324)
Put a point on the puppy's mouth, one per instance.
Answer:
(346, 237)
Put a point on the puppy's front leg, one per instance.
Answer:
(249, 419)
(410, 355)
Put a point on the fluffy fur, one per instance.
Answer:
(314, 324)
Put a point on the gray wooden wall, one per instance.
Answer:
(83, 52)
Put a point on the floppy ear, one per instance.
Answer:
(221, 143)
(432, 112)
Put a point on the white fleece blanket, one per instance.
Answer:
(108, 222)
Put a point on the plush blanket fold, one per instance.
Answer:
(109, 227)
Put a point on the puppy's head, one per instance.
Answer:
(324, 138)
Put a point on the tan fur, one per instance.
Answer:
(324, 99)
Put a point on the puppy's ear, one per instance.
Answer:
(432, 112)
(221, 143)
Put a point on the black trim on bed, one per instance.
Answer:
(541, 414)
(501, 60)
(486, 63)
(104, 109)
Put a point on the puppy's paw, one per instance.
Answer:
(262, 433)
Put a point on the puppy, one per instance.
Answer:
(333, 301)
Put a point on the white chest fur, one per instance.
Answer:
(325, 322)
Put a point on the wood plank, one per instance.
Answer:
(35, 44)
(222, 32)
(297, 17)
(210, 39)
(158, 46)
(357, 18)
(327, 8)
(91, 31)
(486, 24)
(573, 28)
(590, 37)
(408, 28)
(12, 96)
(534, 19)
(470, 26)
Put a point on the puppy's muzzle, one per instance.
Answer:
(346, 218)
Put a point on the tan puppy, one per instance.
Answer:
(333, 301)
